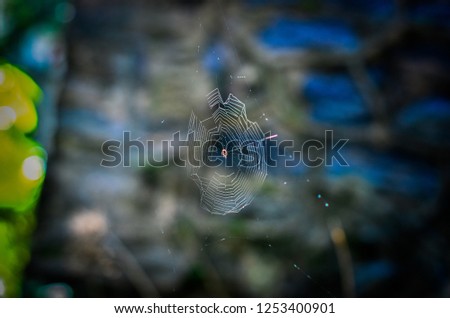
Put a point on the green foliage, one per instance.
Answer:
(15, 230)
(22, 172)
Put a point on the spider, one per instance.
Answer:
(224, 153)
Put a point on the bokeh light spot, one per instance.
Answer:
(7, 116)
(33, 168)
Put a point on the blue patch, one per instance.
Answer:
(373, 272)
(287, 33)
(335, 99)
(215, 58)
(428, 120)
(389, 172)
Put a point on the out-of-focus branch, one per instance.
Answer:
(344, 257)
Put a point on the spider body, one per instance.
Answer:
(224, 153)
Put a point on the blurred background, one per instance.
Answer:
(74, 74)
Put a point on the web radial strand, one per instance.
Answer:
(233, 184)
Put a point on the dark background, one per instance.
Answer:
(375, 72)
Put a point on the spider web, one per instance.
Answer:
(231, 183)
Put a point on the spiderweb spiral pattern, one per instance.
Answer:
(232, 185)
